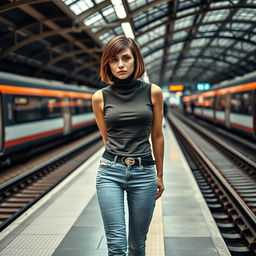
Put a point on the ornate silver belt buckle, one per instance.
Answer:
(128, 160)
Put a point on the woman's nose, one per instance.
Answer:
(120, 64)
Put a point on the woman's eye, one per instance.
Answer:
(113, 60)
(126, 57)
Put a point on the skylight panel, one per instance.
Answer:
(106, 37)
(245, 14)
(176, 47)
(80, 6)
(179, 35)
(218, 15)
(223, 3)
(231, 59)
(183, 23)
(222, 42)
(153, 56)
(68, 2)
(109, 13)
(186, 11)
(133, 5)
(152, 64)
(200, 42)
(93, 19)
(151, 35)
(150, 25)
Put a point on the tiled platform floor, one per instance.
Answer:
(67, 221)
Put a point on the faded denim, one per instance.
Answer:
(139, 182)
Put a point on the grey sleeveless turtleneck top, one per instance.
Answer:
(128, 113)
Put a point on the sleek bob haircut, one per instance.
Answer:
(112, 48)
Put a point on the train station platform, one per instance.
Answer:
(67, 221)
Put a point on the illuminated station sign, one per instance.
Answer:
(176, 88)
(203, 86)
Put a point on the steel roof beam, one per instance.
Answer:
(168, 38)
(198, 20)
(63, 56)
(19, 3)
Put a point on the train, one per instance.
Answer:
(34, 111)
(231, 105)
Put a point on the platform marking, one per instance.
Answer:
(155, 238)
(87, 166)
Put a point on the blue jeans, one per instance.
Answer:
(139, 182)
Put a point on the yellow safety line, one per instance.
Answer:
(155, 238)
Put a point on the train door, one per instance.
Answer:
(1, 126)
(227, 110)
(67, 115)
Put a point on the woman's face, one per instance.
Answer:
(122, 65)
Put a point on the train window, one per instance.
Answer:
(208, 102)
(81, 106)
(242, 102)
(51, 107)
(221, 103)
(26, 108)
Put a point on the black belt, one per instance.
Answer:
(132, 161)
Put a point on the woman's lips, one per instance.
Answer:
(121, 72)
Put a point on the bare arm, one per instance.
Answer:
(157, 137)
(98, 106)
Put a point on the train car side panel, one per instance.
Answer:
(254, 113)
(241, 110)
(1, 126)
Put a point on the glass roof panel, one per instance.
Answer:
(107, 36)
(186, 3)
(94, 19)
(179, 36)
(231, 59)
(245, 14)
(222, 3)
(176, 47)
(151, 35)
(199, 42)
(153, 56)
(218, 15)
(135, 4)
(80, 6)
(182, 23)
(154, 63)
(222, 42)
(109, 13)
(186, 11)
(153, 45)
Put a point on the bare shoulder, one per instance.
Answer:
(156, 93)
(97, 97)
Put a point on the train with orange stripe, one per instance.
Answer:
(36, 110)
(232, 105)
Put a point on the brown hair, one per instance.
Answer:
(112, 48)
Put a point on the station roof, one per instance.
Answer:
(186, 41)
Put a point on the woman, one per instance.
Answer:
(127, 112)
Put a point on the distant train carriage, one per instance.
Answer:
(232, 106)
(35, 110)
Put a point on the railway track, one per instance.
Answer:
(21, 192)
(227, 181)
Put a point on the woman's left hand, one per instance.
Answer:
(160, 187)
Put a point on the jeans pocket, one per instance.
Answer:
(149, 168)
(105, 163)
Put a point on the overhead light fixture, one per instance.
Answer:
(119, 9)
(126, 26)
